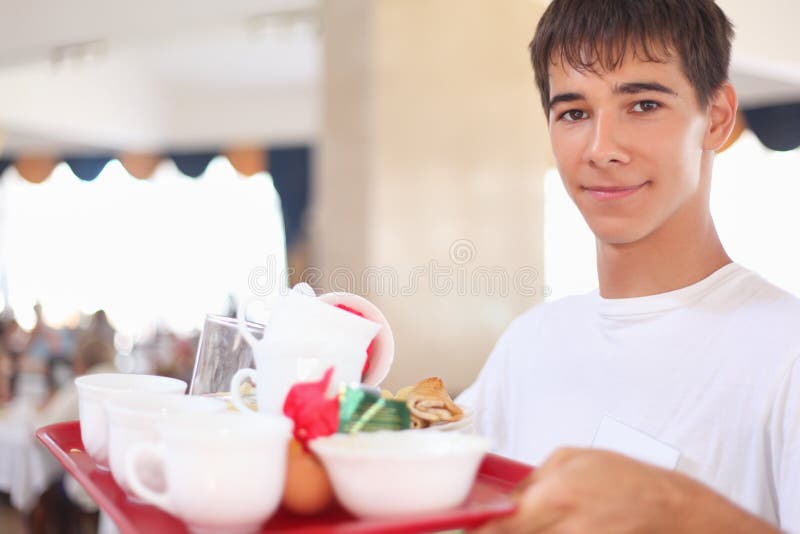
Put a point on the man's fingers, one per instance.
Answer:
(516, 524)
(520, 488)
(538, 509)
(498, 526)
(540, 505)
(553, 463)
(560, 457)
(542, 501)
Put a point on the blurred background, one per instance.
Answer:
(164, 160)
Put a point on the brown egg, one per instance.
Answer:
(308, 490)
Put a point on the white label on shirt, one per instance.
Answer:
(618, 437)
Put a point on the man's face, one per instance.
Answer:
(628, 145)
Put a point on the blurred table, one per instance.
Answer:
(26, 468)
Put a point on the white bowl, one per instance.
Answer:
(383, 345)
(134, 418)
(93, 390)
(380, 474)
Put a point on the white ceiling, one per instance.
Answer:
(154, 74)
(31, 29)
(88, 75)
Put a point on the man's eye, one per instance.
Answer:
(573, 115)
(646, 106)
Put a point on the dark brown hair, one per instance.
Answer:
(595, 36)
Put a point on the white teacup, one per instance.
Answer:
(223, 472)
(134, 417)
(93, 390)
(274, 378)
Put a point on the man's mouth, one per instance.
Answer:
(613, 193)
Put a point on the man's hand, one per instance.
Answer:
(578, 490)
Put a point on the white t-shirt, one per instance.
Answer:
(711, 370)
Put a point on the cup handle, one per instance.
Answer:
(236, 382)
(135, 453)
(241, 311)
(303, 288)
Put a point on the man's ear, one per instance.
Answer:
(721, 117)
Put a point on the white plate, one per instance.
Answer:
(466, 421)
(383, 348)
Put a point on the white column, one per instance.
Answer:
(431, 167)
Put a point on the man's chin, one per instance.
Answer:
(620, 237)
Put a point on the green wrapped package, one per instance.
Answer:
(362, 409)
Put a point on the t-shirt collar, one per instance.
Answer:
(666, 301)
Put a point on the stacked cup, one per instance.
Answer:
(185, 454)
(218, 470)
(95, 390)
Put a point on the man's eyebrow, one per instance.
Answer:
(641, 87)
(566, 97)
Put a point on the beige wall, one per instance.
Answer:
(433, 150)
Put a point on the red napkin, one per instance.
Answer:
(313, 414)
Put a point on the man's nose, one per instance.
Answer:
(604, 148)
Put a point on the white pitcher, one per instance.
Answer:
(304, 337)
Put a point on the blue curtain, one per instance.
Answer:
(193, 164)
(87, 168)
(4, 164)
(290, 169)
(777, 127)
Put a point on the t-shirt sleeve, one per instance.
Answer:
(786, 449)
(488, 398)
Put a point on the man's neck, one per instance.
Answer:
(661, 261)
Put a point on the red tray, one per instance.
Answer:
(488, 499)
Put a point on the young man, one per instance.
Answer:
(682, 356)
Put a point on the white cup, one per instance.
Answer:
(223, 472)
(93, 390)
(305, 337)
(134, 417)
(274, 377)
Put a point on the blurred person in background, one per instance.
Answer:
(44, 343)
(65, 508)
(12, 343)
(45, 359)
(93, 355)
(100, 328)
(6, 366)
(180, 364)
